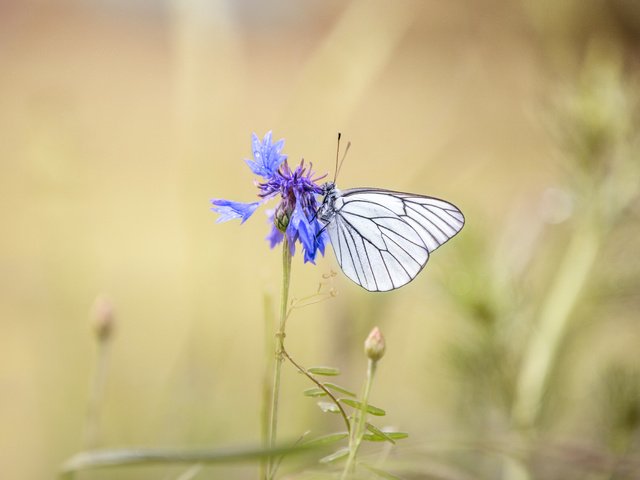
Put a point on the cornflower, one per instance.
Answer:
(296, 215)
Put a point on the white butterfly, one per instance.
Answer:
(382, 239)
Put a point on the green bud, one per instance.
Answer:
(281, 218)
(374, 345)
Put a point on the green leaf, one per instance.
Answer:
(370, 408)
(338, 388)
(326, 371)
(148, 456)
(328, 407)
(386, 436)
(327, 439)
(379, 433)
(337, 455)
(380, 473)
(314, 392)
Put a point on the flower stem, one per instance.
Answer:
(355, 439)
(321, 386)
(267, 387)
(279, 342)
(96, 396)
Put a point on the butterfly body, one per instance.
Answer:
(381, 238)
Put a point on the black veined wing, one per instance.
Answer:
(382, 239)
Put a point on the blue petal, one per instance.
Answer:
(229, 210)
(275, 236)
(307, 232)
(266, 156)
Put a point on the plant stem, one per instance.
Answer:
(571, 276)
(355, 439)
(279, 357)
(267, 387)
(321, 386)
(541, 352)
(96, 396)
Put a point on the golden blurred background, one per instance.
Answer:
(515, 354)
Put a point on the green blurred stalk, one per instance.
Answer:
(555, 313)
(267, 390)
(279, 357)
(357, 433)
(96, 396)
(541, 353)
(147, 456)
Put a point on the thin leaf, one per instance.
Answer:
(388, 436)
(327, 439)
(377, 432)
(329, 407)
(370, 408)
(338, 388)
(314, 392)
(337, 455)
(326, 371)
(146, 456)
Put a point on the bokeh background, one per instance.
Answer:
(515, 354)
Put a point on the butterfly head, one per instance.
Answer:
(328, 187)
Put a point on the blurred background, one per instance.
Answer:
(515, 354)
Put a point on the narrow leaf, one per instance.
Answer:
(145, 456)
(338, 388)
(370, 408)
(327, 439)
(388, 436)
(314, 392)
(379, 433)
(337, 455)
(326, 371)
(328, 407)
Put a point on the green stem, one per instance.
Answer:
(280, 334)
(321, 386)
(358, 432)
(541, 353)
(555, 313)
(267, 390)
(96, 396)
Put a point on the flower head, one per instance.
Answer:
(295, 215)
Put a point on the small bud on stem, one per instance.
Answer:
(102, 318)
(282, 217)
(374, 345)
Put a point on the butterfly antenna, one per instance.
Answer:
(344, 155)
(335, 170)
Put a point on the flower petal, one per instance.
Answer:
(307, 232)
(266, 156)
(275, 236)
(229, 210)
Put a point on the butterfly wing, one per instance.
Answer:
(382, 239)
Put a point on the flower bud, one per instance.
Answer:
(102, 318)
(374, 345)
(282, 217)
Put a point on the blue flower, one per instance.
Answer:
(295, 215)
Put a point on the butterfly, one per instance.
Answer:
(382, 239)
